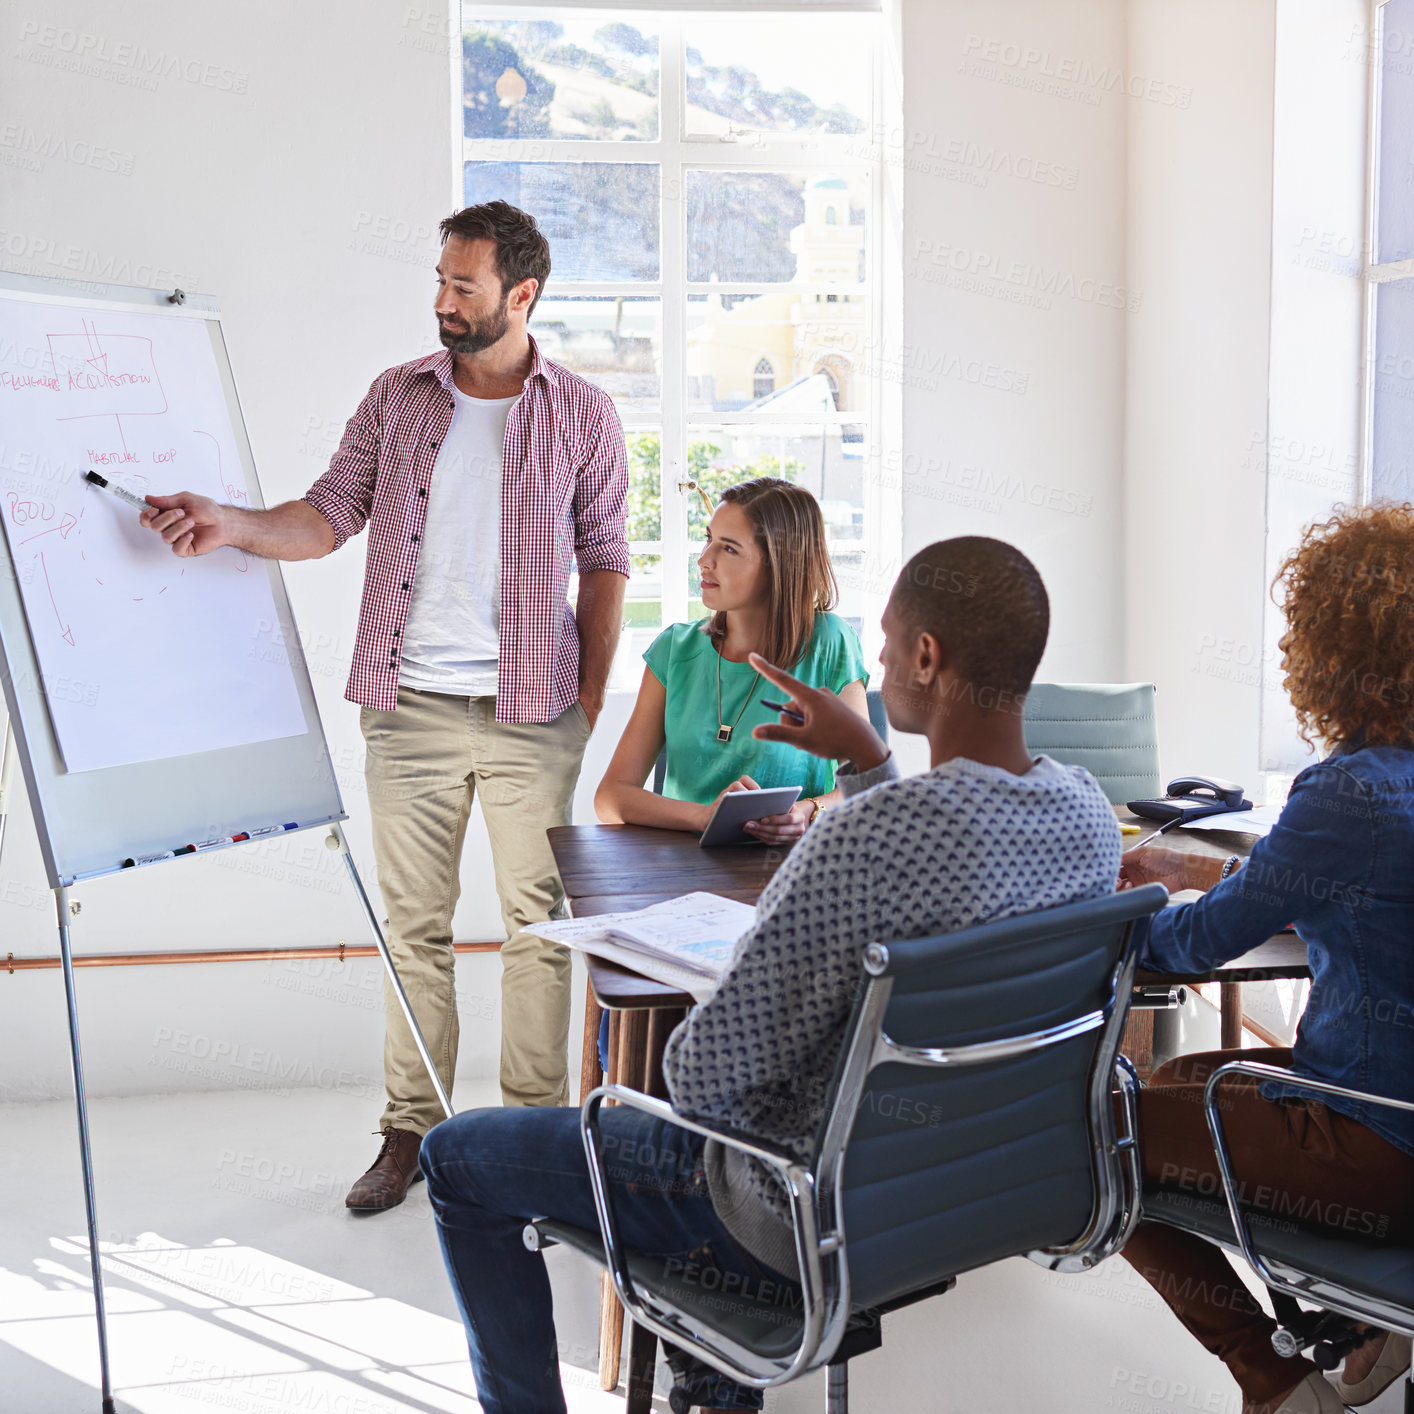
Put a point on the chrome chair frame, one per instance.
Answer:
(1281, 1276)
(816, 1188)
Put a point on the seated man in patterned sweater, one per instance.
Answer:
(989, 831)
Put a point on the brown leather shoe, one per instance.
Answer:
(386, 1184)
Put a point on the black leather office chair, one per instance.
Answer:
(969, 1119)
(1346, 1280)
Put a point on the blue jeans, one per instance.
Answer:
(489, 1171)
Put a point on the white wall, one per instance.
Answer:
(1016, 298)
(1199, 184)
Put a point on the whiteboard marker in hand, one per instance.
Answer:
(113, 489)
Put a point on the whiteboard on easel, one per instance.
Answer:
(157, 701)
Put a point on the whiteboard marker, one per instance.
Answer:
(161, 854)
(114, 489)
(271, 830)
(224, 839)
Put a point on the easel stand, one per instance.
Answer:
(67, 909)
(92, 807)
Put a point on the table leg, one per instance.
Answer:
(631, 1064)
(628, 1046)
(591, 1076)
(611, 1314)
(642, 1361)
(643, 1344)
(1138, 1042)
(1230, 1000)
(662, 1022)
(611, 1327)
(636, 1042)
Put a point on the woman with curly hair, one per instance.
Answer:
(1339, 865)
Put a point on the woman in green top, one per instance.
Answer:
(767, 578)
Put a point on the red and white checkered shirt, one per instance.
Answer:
(564, 482)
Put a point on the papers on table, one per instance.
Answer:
(1257, 821)
(686, 942)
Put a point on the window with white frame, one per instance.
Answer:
(1341, 394)
(711, 198)
(1389, 272)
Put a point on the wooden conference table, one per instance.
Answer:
(615, 868)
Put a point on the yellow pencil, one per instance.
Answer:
(1129, 829)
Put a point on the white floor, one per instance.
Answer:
(239, 1284)
(236, 1279)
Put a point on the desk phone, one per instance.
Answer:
(1191, 798)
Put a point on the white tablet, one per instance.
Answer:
(737, 807)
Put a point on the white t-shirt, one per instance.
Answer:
(451, 642)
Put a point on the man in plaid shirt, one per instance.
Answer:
(485, 474)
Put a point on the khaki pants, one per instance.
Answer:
(425, 762)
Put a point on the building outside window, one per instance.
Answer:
(763, 382)
(711, 198)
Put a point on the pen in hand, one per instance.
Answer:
(783, 710)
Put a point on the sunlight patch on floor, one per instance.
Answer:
(227, 1326)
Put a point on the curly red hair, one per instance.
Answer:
(1348, 594)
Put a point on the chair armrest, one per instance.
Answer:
(1303, 1082)
(810, 1248)
(740, 1139)
(1276, 1074)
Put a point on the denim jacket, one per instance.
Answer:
(1339, 866)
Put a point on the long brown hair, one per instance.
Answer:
(800, 581)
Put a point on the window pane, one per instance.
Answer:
(643, 523)
(601, 218)
(1395, 190)
(760, 226)
(616, 342)
(560, 79)
(804, 75)
(811, 349)
(643, 604)
(1392, 441)
(827, 460)
(643, 621)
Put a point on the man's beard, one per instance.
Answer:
(477, 336)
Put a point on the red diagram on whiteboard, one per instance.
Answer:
(101, 380)
(111, 375)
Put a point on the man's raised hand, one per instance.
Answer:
(831, 728)
(189, 523)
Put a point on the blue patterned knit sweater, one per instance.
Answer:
(962, 844)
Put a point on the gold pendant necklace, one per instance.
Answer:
(724, 732)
